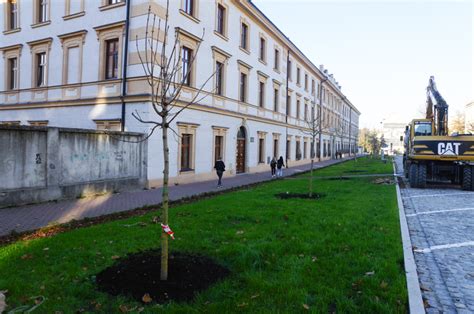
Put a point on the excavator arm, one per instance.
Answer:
(440, 112)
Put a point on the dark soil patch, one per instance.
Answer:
(340, 178)
(285, 196)
(355, 171)
(139, 274)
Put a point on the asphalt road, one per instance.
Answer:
(441, 224)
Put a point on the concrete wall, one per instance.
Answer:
(40, 164)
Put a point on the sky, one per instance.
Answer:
(383, 52)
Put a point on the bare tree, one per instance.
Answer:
(167, 66)
(458, 123)
(314, 126)
(340, 130)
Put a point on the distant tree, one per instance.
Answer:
(458, 123)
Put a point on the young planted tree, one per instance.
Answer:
(340, 130)
(314, 127)
(167, 66)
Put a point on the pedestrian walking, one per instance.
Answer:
(273, 165)
(280, 165)
(220, 168)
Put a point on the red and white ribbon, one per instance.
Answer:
(167, 230)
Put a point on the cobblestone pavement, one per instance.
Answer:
(32, 217)
(441, 224)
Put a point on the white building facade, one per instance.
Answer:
(75, 63)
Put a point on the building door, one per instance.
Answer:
(241, 141)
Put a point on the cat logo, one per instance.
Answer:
(448, 149)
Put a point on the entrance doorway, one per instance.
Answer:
(241, 141)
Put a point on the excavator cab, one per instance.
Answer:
(422, 127)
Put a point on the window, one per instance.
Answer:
(298, 150)
(276, 96)
(221, 15)
(298, 103)
(7, 123)
(288, 151)
(186, 152)
(108, 125)
(262, 49)
(298, 76)
(261, 150)
(219, 78)
(12, 16)
(243, 87)
(12, 73)
(42, 14)
(306, 112)
(276, 65)
(275, 148)
(111, 58)
(422, 129)
(244, 36)
(41, 67)
(186, 66)
(306, 82)
(261, 94)
(218, 147)
(313, 86)
(305, 150)
(188, 7)
(114, 1)
(73, 65)
(74, 7)
(39, 123)
(72, 44)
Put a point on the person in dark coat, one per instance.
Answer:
(220, 168)
(273, 165)
(280, 165)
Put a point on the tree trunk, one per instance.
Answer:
(165, 204)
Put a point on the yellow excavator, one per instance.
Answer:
(433, 155)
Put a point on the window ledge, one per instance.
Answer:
(41, 24)
(244, 50)
(74, 15)
(12, 91)
(12, 31)
(111, 6)
(262, 61)
(39, 88)
(276, 70)
(221, 36)
(186, 171)
(192, 18)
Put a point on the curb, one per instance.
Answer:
(415, 300)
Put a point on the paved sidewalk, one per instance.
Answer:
(441, 223)
(32, 217)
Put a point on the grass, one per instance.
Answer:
(285, 255)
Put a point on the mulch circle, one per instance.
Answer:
(139, 274)
(285, 196)
(340, 178)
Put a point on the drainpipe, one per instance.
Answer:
(320, 116)
(125, 65)
(287, 104)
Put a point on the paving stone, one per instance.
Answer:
(447, 272)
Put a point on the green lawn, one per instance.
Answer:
(285, 255)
